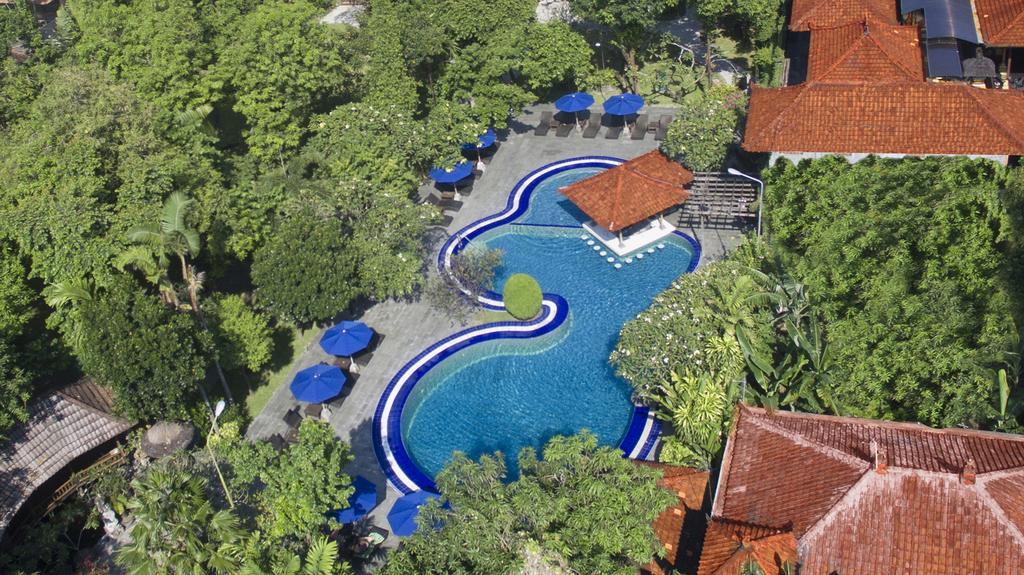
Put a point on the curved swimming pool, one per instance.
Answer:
(502, 387)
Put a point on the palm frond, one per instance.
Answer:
(60, 294)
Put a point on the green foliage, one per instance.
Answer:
(50, 545)
(705, 128)
(555, 54)
(161, 47)
(242, 335)
(304, 271)
(299, 485)
(522, 296)
(176, 528)
(15, 386)
(83, 166)
(581, 504)
(472, 274)
(152, 357)
(18, 24)
(907, 261)
(282, 65)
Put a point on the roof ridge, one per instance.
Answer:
(1018, 19)
(802, 439)
(990, 502)
(88, 407)
(892, 59)
(850, 50)
(747, 524)
(858, 486)
(993, 119)
(908, 425)
(800, 89)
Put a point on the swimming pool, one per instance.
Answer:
(503, 387)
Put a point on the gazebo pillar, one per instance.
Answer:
(661, 220)
(621, 242)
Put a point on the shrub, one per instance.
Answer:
(522, 296)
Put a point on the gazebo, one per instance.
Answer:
(636, 192)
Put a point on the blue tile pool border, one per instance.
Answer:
(388, 445)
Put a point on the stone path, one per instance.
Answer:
(411, 326)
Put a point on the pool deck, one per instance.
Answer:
(409, 326)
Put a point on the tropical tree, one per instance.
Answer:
(176, 529)
(704, 128)
(321, 558)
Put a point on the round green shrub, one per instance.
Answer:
(522, 296)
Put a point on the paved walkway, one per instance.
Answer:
(411, 326)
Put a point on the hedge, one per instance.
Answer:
(522, 296)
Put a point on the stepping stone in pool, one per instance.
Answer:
(610, 260)
(629, 260)
(618, 266)
(583, 237)
(597, 248)
(650, 250)
(590, 242)
(661, 246)
(603, 253)
(639, 256)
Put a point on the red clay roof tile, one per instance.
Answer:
(922, 516)
(917, 118)
(729, 545)
(864, 51)
(680, 528)
(807, 13)
(1001, 21)
(632, 192)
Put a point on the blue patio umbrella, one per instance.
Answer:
(623, 104)
(484, 141)
(402, 517)
(346, 338)
(317, 384)
(575, 102)
(359, 503)
(461, 171)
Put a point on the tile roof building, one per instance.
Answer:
(864, 50)
(680, 528)
(62, 427)
(632, 191)
(899, 118)
(824, 13)
(1001, 21)
(863, 497)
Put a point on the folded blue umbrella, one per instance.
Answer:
(346, 338)
(484, 141)
(575, 102)
(623, 104)
(461, 171)
(402, 517)
(317, 384)
(359, 503)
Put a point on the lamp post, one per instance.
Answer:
(219, 409)
(598, 46)
(760, 194)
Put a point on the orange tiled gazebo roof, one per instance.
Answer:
(632, 192)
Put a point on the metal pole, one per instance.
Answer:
(216, 465)
(760, 194)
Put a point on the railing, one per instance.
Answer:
(112, 459)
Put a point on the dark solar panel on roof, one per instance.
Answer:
(945, 18)
(944, 58)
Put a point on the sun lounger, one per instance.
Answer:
(593, 125)
(544, 125)
(292, 418)
(363, 359)
(612, 133)
(444, 204)
(564, 130)
(663, 127)
(639, 128)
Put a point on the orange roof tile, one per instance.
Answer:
(926, 501)
(730, 545)
(807, 13)
(1001, 21)
(631, 192)
(864, 51)
(680, 528)
(917, 118)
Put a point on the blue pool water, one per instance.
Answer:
(510, 394)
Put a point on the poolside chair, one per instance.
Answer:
(544, 125)
(663, 127)
(613, 132)
(639, 128)
(564, 129)
(593, 125)
(364, 358)
(293, 418)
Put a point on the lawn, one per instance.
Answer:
(271, 380)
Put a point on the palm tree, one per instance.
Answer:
(154, 245)
(62, 295)
(321, 559)
(176, 529)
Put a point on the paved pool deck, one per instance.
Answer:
(409, 326)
